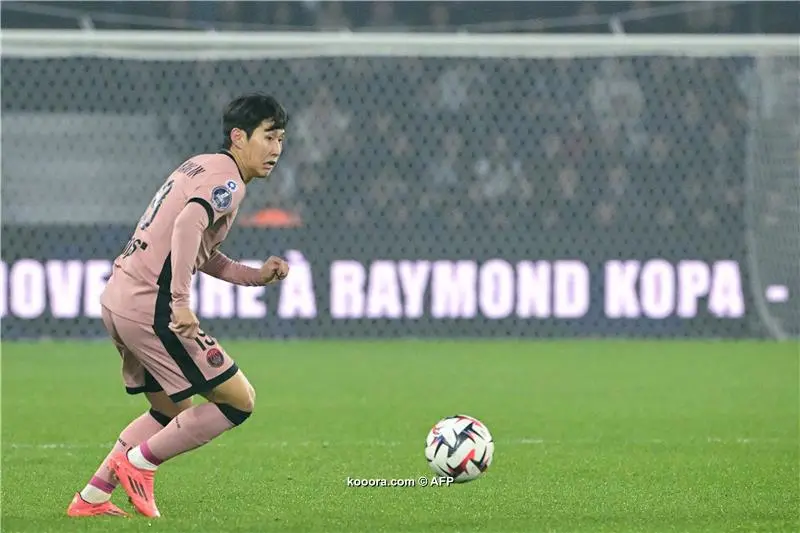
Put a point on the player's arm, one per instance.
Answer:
(219, 196)
(212, 197)
(223, 267)
(187, 234)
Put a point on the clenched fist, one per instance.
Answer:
(274, 269)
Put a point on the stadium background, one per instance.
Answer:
(519, 203)
(543, 197)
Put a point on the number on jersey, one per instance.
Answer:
(155, 205)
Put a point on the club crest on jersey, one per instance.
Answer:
(215, 358)
(232, 185)
(221, 198)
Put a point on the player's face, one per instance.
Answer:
(262, 150)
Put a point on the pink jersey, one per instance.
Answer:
(179, 233)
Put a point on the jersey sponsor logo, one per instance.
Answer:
(232, 185)
(221, 198)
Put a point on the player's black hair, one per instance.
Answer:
(249, 111)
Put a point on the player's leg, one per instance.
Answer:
(187, 367)
(103, 482)
(161, 403)
(230, 403)
(236, 392)
(95, 497)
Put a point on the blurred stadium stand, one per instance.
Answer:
(516, 158)
(482, 16)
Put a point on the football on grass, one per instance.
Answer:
(460, 447)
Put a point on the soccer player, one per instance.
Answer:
(146, 309)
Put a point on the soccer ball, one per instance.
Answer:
(459, 447)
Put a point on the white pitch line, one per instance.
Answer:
(388, 444)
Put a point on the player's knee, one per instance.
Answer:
(245, 399)
(252, 397)
(236, 392)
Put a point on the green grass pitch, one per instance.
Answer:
(591, 436)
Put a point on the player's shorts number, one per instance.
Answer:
(204, 340)
(155, 205)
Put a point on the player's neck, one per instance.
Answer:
(243, 172)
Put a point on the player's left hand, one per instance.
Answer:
(274, 269)
(184, 322)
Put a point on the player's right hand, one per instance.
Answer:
(184, 322)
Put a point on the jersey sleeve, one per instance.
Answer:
(186, 237)
(223, 267)
(218, 194)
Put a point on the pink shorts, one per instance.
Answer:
(154, 358)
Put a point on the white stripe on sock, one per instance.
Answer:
(137, 459)
(92, 494)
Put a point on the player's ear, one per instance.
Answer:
(238, 137)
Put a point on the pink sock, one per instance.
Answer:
(189, 430)
(137, 432)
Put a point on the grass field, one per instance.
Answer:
(590, 437)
